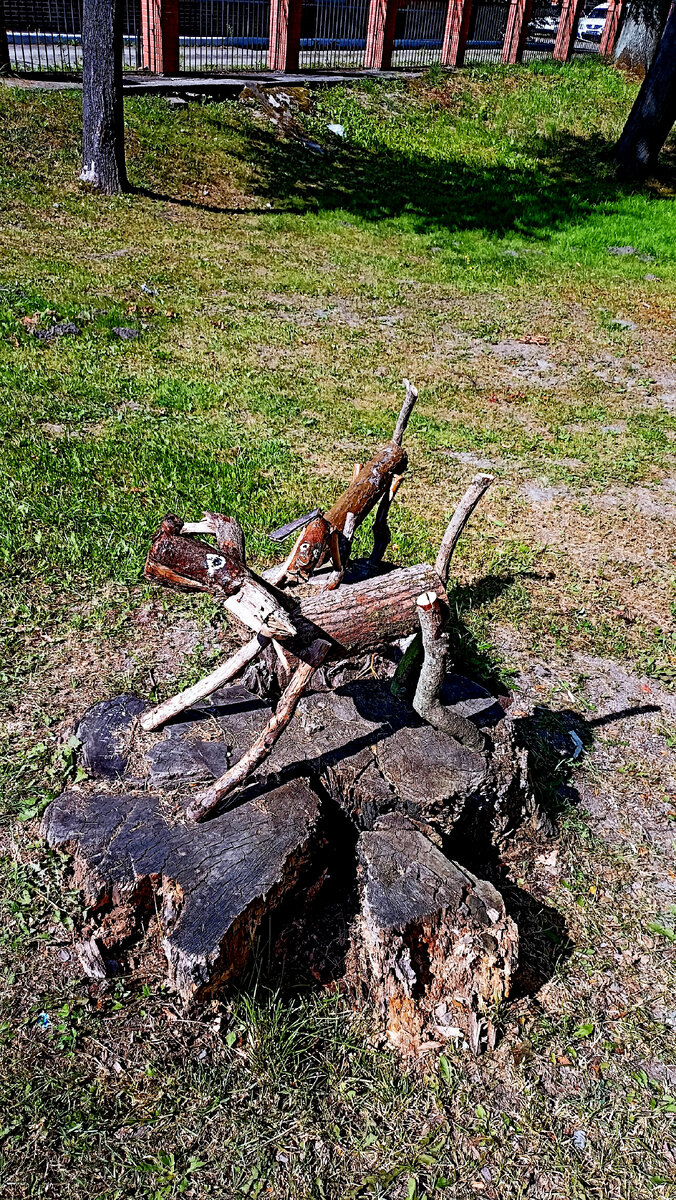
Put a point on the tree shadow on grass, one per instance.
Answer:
(550, 182)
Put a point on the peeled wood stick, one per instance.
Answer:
(345, 547)
(156, 716)
(207, 800)
(406, 410)
(463, 512)
(432, 615)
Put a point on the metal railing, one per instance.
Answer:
(418, 33)
(223, 35)
(220, 36)
(333, 33)
(46, 35)
(487, 28)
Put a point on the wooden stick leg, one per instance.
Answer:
(156, 716)
(381, 529)
(432, 615)
(461, 516)
(340, 551)
(207, 800)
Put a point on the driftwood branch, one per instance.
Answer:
(433, 616)
(154, 717)
(405, 413)
(463, 512)
(206, 801)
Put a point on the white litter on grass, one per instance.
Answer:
(339, 130)
(577, 742)
(579, 1139)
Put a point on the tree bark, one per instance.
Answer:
(639, 34)
(5, 65)
(654, 112)
(361, 616)
(103, 164)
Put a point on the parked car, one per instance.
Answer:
(591, 27)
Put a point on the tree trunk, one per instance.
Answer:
(639, 34)
(654, 111)
(103, 166)
(5, 65)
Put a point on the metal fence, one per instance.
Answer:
(232, 35)
(333, 33)
(418, 33)
(223, 35)
(487, 27)
(45, 35)
(542, 30)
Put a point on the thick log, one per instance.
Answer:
(206, 887)
(433, 949)
(362, 615)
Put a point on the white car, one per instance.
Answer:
(591, 27)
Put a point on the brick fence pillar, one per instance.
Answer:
(567, 31)
(611, 29)
(516, 31)
(380, 34)
(456, 29)
(284, 39)
(159, 36)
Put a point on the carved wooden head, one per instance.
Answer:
(312, 544)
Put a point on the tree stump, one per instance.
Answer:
(210, 886)
(432, 948)
(403, 786)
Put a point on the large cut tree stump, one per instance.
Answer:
(433, 948)
(210, 885)
(355, 753)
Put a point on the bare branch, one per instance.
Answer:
(156, 716)
(463, 512)
(207, 800)
(432, 615)
(406, 410)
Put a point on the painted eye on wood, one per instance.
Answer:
(214, 563)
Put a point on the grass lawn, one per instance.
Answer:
(468, 232)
